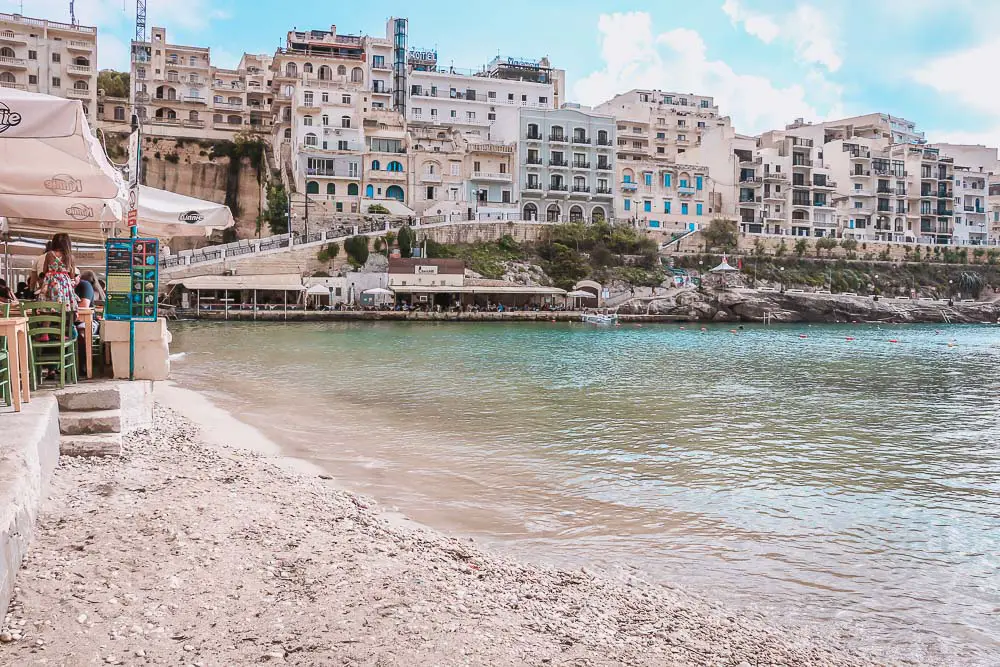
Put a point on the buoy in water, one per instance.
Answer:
(732, 331)
(803, 336)
(849, 338)
(893, 340)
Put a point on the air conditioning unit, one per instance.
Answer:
(437, 149)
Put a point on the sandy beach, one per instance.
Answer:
(189, 551)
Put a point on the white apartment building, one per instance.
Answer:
(971, 201)
(892, 129)
(566, 165)
(658, 184)
(482, 104)
(49, 57)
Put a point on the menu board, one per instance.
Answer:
(133, 277)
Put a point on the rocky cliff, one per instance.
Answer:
(745, 305)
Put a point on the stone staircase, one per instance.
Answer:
(90, 420)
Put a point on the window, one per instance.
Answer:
(342, 146)
(701, 124)
(345, 121)
(352, 169)
(56, 58)
(217, 99)
(681, 137)
(325, 97)
(307, 98)
(357, 75)
(311, 139)
(470, 115)
(376, 165)
(32, 55)
(666, 207)
(352, 189)
(386, 145)
(307, 121)
(661, 135)
(648, 177)
(510, 97)
(684, 182)
(456, 169)
(417, 112)
(627, 178)
(430, 193)
(341, 70)
(491, 95)
(56, 83)
(454, 114)
(698, 182)
(666, 180)
(491, 116)
(378, 61)
(697, 209)
(345, 99)
(543, 100)
(326, 120)
(628, 205)
(524, 98)
(476, 166)
(647, 206)
(684, 209)
(33, 79)
(681, 123)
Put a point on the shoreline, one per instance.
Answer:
(410, 594)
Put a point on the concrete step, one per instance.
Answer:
(89, 423)
(103, 444)
(87, 398)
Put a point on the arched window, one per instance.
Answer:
(193, 115)
(376, 165)
(579, 183)
(394, 192)
(430, 169)
(357, 75)
(352, 189)
(602, 139)
(326, 119)
(557, 133)
(598, 214)
(325, 73)
(341, 70)
(288, 133)
(579, 134)
(345, 121)
(628, 176)
(553, 213)
(82, 85)
(7, 52)
(533, 132)
(312, 188)
(576, 214)
(81, 61)
(307, 68)
(7, 77)
(310, 139)
(307, 121)
(331, 189)
(291, 70)
(369, 191)
(530, 212)
(394, 166)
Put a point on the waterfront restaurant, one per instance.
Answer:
(442, 282)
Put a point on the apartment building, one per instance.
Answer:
(930, 190)
(566, 165)
(49, 57)
(482, 104)
(877, 126)
(971, 188)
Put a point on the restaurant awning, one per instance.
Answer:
(275, 283)
(477, 289)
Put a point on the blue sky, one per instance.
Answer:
(766, 61)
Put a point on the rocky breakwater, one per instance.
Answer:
(746, 305)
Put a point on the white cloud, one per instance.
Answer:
(759, 25)
(958, 76)
(812, 33)
(677, 60)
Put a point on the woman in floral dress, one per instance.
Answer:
(59, 274)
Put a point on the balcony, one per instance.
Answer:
(605, 143)
(77, 45)
(752, 180)
(558, 163)
(79, 70)
(558, 138)
(826, 224)
(13, 63)
(533, 136)
(945, 195)
(15, 86)
(602, 166)
(379, 90)
(603, 191)
(973, 209)
(430, 178)
(557, 187)
(534, 161)
(686, 190)
(944, 212)
(491, 176)
(628, 186)
(382, 66)
(827, 185)
(581, 140)
(581, 189)
(533, 187)
(775, 177)
(78, 93)
(928, 177)
(802, 163)
(232, 106)
(884, 191)
(191, 99)
(771, 195)
(861, 155)
(752, 161)
(798, 201)
(750, 200)
(581, 165)
(11, 37)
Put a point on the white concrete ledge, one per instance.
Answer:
(29, 451)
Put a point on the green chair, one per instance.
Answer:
(4, 362)
(50, 319)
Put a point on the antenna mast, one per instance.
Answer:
(72, 13)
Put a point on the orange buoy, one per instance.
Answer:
(893, 340)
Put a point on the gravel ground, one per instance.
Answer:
(180, 553)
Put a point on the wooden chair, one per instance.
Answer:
(50, 319)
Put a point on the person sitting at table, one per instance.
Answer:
(23, 293)
(6, 295)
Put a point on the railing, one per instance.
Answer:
(750, 200)
(555, 187)
(751, 179)
(685, 190)
(558, 163)
(630, 187)
(973, 209)
(41, 23)
(79, 93)
(490, 176)
(13, 62)
(533, 186)
(430, 178)
(10, 35)
(802, 163)
(801, 202)
(235, 106)
(84, 70)
(15, 86)
(774, 176)
(534, 160)
(603, 191)
(77, 44)
(581, 165)
(604, 142)
(826, 184)
(601, 166)
(558, 138)
(581, 140)
(195, 99)
(581, 188)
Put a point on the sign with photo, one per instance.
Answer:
(133, 279)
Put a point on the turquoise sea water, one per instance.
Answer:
(854, 483)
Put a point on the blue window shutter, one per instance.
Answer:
(697, 209)
(666, 180)
(684, 209)
(628, 205)
(649, 179)
(628, 178)
(647, 206)
(666, 207)
(698, 180)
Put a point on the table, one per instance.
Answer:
(86, 316)
(15, 330)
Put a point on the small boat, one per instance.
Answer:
(596, 318)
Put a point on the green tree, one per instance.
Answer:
(978, 254)
(971, 283)
(275, 213)
(850, 245)
(114, 84)
(722, 234)
(329, 253)
(357, 250)
(801, 246)
(827, 243)
(758, 248)
(405, 240)
(781, 249)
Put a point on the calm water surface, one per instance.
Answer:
(850, 483)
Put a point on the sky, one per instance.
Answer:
(766, 62)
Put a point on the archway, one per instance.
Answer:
(598, 214)
(575, 214)
(394, 192)
(312, 188)
(553, 213)
(530, 212)
(369, 191)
